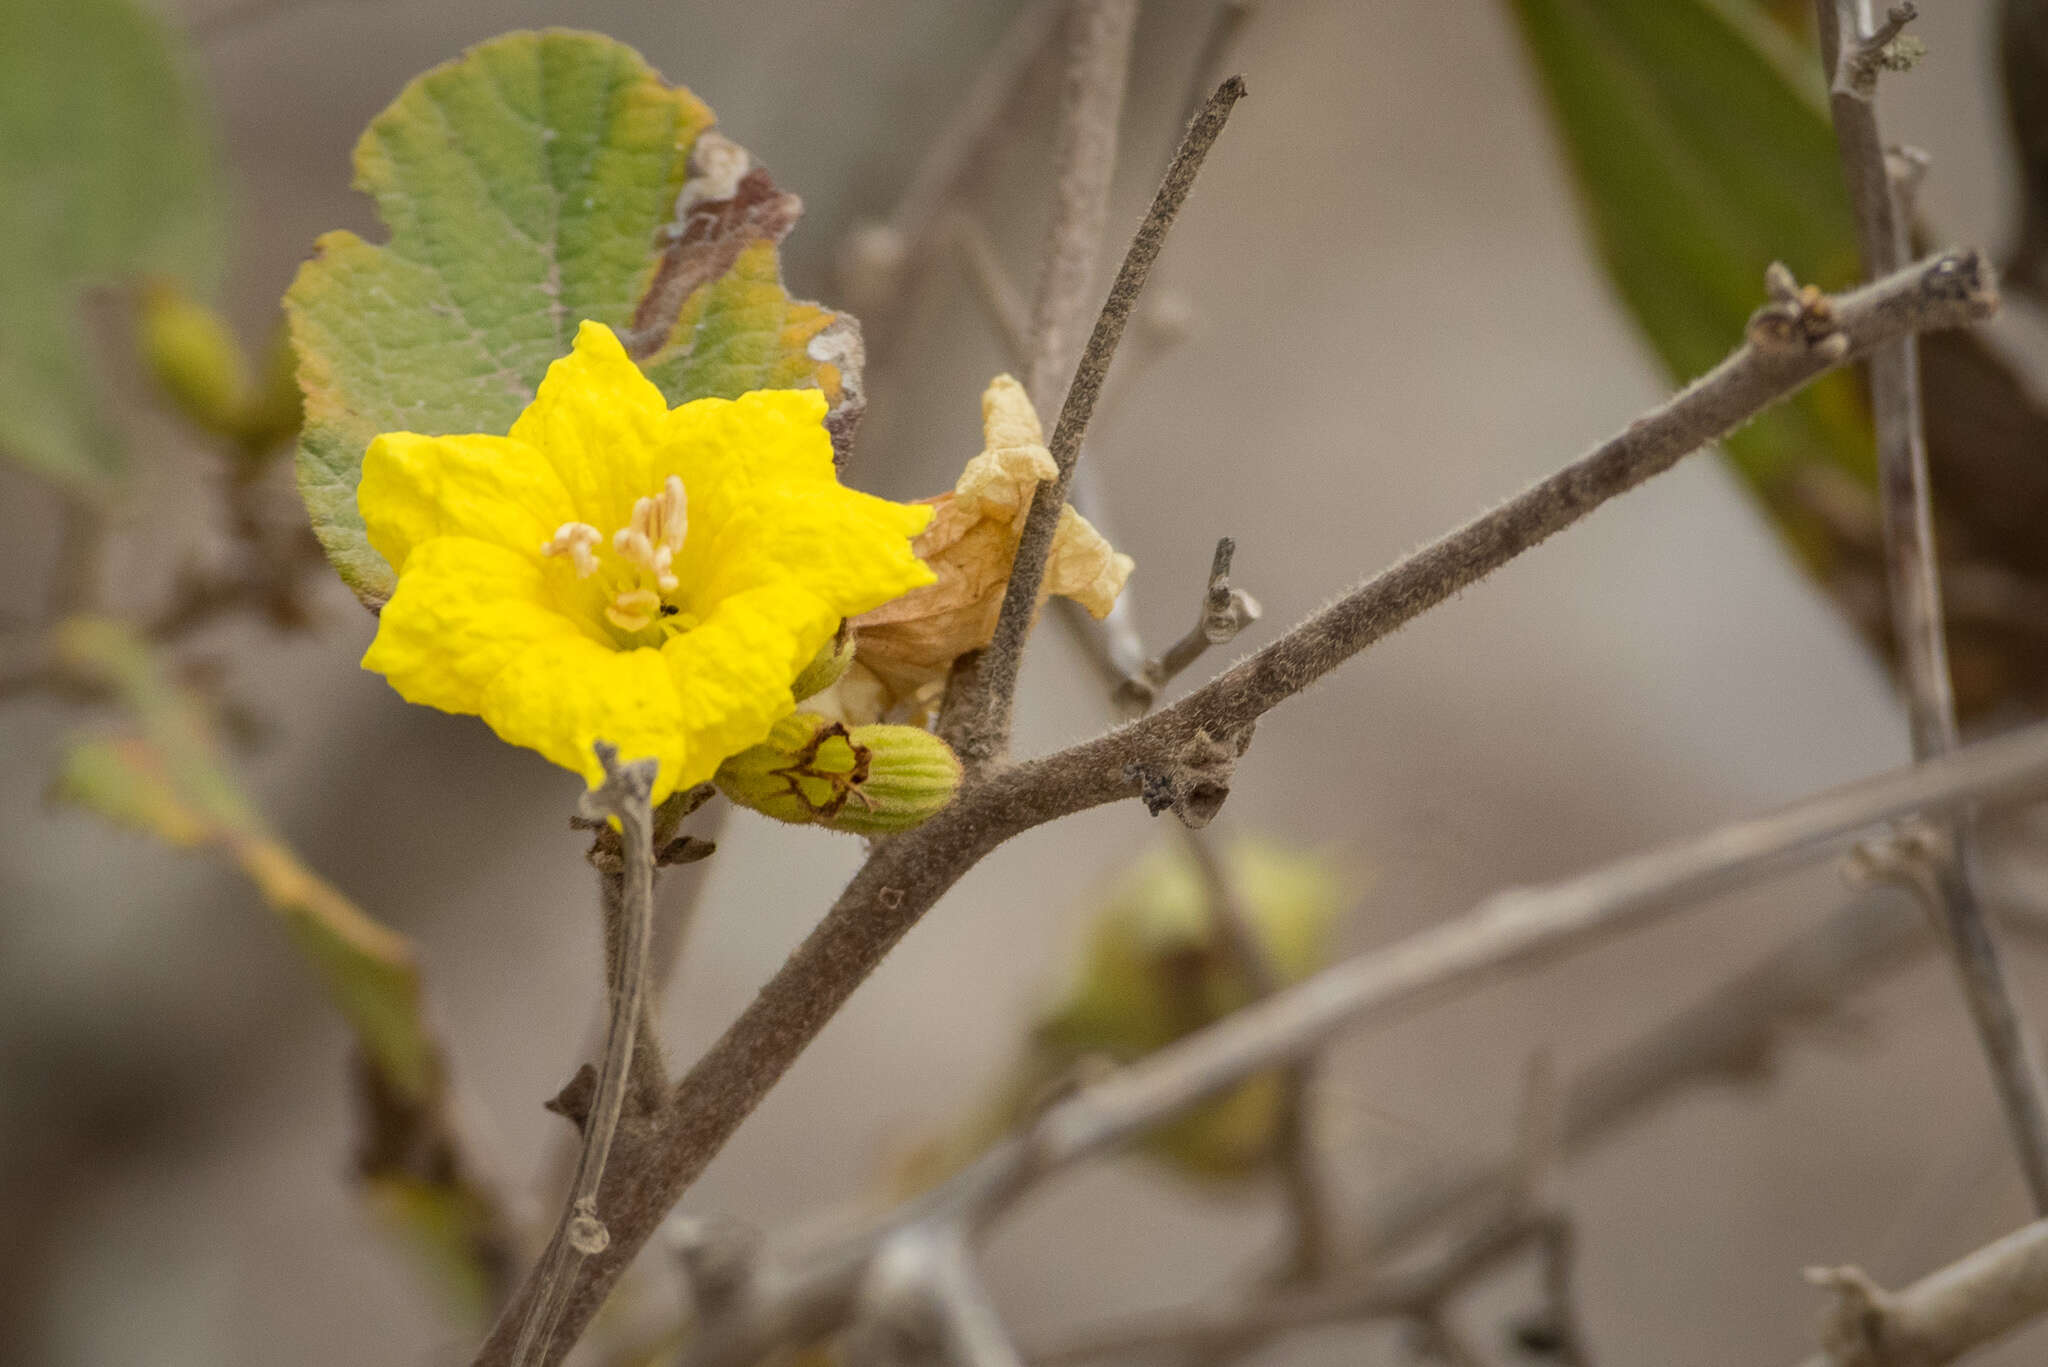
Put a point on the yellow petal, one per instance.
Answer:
(415, 488)
(1084, 567)
(766, 505)
(563, 696)
(463, 610)
(849, 550)
(734, 670)
(723, 447)
(600, 423)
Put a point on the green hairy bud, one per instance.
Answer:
(865, 780)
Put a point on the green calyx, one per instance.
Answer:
(825, 668)
(865, 780)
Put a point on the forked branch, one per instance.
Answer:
(981, 729)
(1790, 345)
(1512, 929)
(1850, 54)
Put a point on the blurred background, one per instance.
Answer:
(1397, 321)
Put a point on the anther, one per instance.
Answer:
(655, 532)
(578, 541)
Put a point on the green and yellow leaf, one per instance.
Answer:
(1698, 136)
(166, 778)
(539, 180)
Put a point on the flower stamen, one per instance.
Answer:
(656, 532)
(579, 541)
(634, 610)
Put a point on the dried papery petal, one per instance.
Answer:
(906, 648)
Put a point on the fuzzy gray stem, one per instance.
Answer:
(1091, 112)
(1913, 579)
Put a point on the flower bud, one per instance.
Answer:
(825, 667)
(867, 780)
(193, 356)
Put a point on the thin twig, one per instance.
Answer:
(1519, 927)
(1294, 1144)
(1111, 645)
(981, 732)
(647, 1077)
(1000, 301)
(1511, 930)
(1848, 56)
(906, 875)
(924, 1301)
(1219, 43)
(582, 1233)
(1969, 1303)
(1420, 1295)
(1114, 646)
(1225, 612)
(964, 143)
(1091, 113)
(1091, 118)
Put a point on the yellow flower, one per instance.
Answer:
(617, 570)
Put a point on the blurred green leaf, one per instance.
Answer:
(167, 779)
(1698, 135)
(2023, 69)
(1153, 968)
(109, 172)
(1156, 968)
(528, 185)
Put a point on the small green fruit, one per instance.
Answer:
(866, 780)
